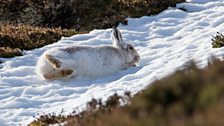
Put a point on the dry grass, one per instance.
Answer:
(190, 97)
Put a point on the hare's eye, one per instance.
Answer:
(131, 48)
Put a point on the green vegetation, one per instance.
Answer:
(189, 97)
(218, 40)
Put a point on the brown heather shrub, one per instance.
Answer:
(81, 15)
(189, 97)
(29, 17)
(15, 37)
(7, 52)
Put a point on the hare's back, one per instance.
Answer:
(99, 61)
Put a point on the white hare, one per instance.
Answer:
(87, 61)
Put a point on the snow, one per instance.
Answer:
(165, 42)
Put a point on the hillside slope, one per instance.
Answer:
(165, 42)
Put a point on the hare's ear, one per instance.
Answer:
(116, 37)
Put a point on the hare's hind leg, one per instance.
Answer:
(58, 74)
(66, 73)
(53, 61)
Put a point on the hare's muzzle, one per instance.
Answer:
(137, 59)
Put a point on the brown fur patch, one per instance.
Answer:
(57, 74)
(53, 61)
(65, 73)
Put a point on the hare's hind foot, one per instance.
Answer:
(66, 73)
(59, 74)
(53, 61)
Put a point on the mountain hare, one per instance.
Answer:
(87, 61)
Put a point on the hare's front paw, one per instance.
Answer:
(127, 65)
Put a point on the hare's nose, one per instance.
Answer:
(137, 59)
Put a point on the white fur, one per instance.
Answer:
(90, 61)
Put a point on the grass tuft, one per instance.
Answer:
(218, 40)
